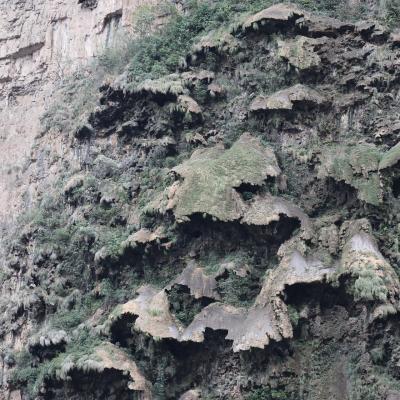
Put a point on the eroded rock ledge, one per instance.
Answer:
(231, 230)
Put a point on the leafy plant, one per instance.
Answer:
(369, 285)
(392, 14)
(68, 319)
(34, 374)
(293, 315)
(267, 393)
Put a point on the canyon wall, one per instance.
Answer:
(41, 42)
(219, 220)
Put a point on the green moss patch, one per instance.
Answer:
(356, 165)
(211, 176)
(391, 157)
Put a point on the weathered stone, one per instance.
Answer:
(211, 176)
(220, 40)
(196, 138)
(288, 99)
(144, 236)
(215, 90)
(300, 52)
(238, 268)
(266, 209)
(249, 328)
(202, 76)
(395, 38)
(375, 279)
(199, 284)
(189, 105)
(91, 4)
(278, 13)
(329, 238)
(372, 30)
(153, 316)
(319, 25)
(107, 356)
(393, 395)
(355, 165)
(294, 268)
(268, 319)
(15, 395)
(42, 44)
(248, 236)
(388, 130)
(111, 357)
(253, 328)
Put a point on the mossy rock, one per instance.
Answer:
(211, 177)
(300, 52)
(220, 39)
(391, 157)
(281, 14)
(356, 165)
(374, 278)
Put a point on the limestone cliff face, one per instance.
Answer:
(41, 42)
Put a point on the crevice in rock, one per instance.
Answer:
(239, 290)
(106, 385)
(322, 292)
(90, 4)
(232, 234)
(121, 330)
(183, 305)
(48, 352)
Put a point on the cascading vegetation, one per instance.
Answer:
(150, 55)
